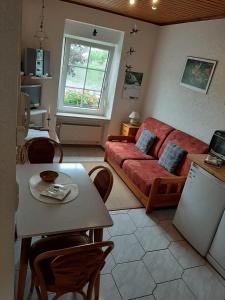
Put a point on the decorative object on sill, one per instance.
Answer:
(134, 30)
(198, 73)
(134, 118)
(132, 85)
(40, 34)
(154, 4)
(95, 32)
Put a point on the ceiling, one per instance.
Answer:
(168, 11)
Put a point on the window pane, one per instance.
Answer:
(94, 80)
(91, 99)
(79, 55)
(75, 77)
(73, 97)
(98, 59)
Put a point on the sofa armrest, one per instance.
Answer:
(165, 189)
(120, 138)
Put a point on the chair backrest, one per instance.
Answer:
(70, 269)
(103, 181)
(41, 150)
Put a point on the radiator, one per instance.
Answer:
(80, 134)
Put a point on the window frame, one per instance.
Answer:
(65, 61)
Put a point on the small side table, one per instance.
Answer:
(129, 129)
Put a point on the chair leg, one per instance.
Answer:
(31, 288)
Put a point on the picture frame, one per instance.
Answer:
(197, 74)
(132, 85)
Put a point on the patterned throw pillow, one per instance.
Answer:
(171, 157)
(145, 141)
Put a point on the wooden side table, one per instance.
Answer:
(129, 129)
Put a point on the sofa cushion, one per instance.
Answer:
(145, 141)
(160, 129)
(171, 157)
(188, 143)
(119, 152)
(142, 173)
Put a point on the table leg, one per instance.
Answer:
(24, 255)
(98, 235)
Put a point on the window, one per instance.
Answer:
(84, 77)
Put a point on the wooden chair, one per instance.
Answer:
(66, 265)
(103, 181)
(41, 150)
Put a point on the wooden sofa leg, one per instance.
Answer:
(149, 209)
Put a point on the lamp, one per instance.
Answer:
(134, 118)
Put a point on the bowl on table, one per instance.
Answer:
(49, 176)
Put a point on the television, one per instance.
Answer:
(34, 93)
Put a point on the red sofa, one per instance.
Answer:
(153, 185)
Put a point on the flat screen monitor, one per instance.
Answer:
(34, 92)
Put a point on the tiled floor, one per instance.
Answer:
(151, 261)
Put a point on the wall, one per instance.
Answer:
(193, 112)
(56, 12)
(9, 59)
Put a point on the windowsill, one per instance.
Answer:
(81, 116)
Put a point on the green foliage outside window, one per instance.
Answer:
(79, 99)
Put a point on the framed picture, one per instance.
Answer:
(132, 85)
(198, 73)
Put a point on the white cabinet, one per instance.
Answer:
(216, 255)
(200, 208)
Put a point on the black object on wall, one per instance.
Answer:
(36, 62)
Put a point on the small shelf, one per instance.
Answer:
(37, 111)
(37, 77)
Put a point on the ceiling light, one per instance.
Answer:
(154, 7)
(154, 1)
(132, 2)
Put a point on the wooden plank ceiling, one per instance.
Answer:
(168, 11)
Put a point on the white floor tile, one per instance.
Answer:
(170, 231)
(116, 212)
(162, 214)
(109, 264)
(162, 266)
(108, 289)
(173, 290)
(152, 238)
(122, 225)
(133, 280)
(186, 255)
(140, 218)
(126, 248)
(204, 284)
(151, 297)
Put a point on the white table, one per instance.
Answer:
(35, 218)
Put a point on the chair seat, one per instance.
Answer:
(57, 242)
(143, 172)
(119, 152)
(54, 243)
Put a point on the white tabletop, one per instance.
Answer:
(33, 217)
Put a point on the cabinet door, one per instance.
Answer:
(217, 249)
(200, 208)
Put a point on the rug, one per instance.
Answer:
(120, 197)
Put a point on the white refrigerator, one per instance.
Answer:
(200, 208)
(216, 254)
